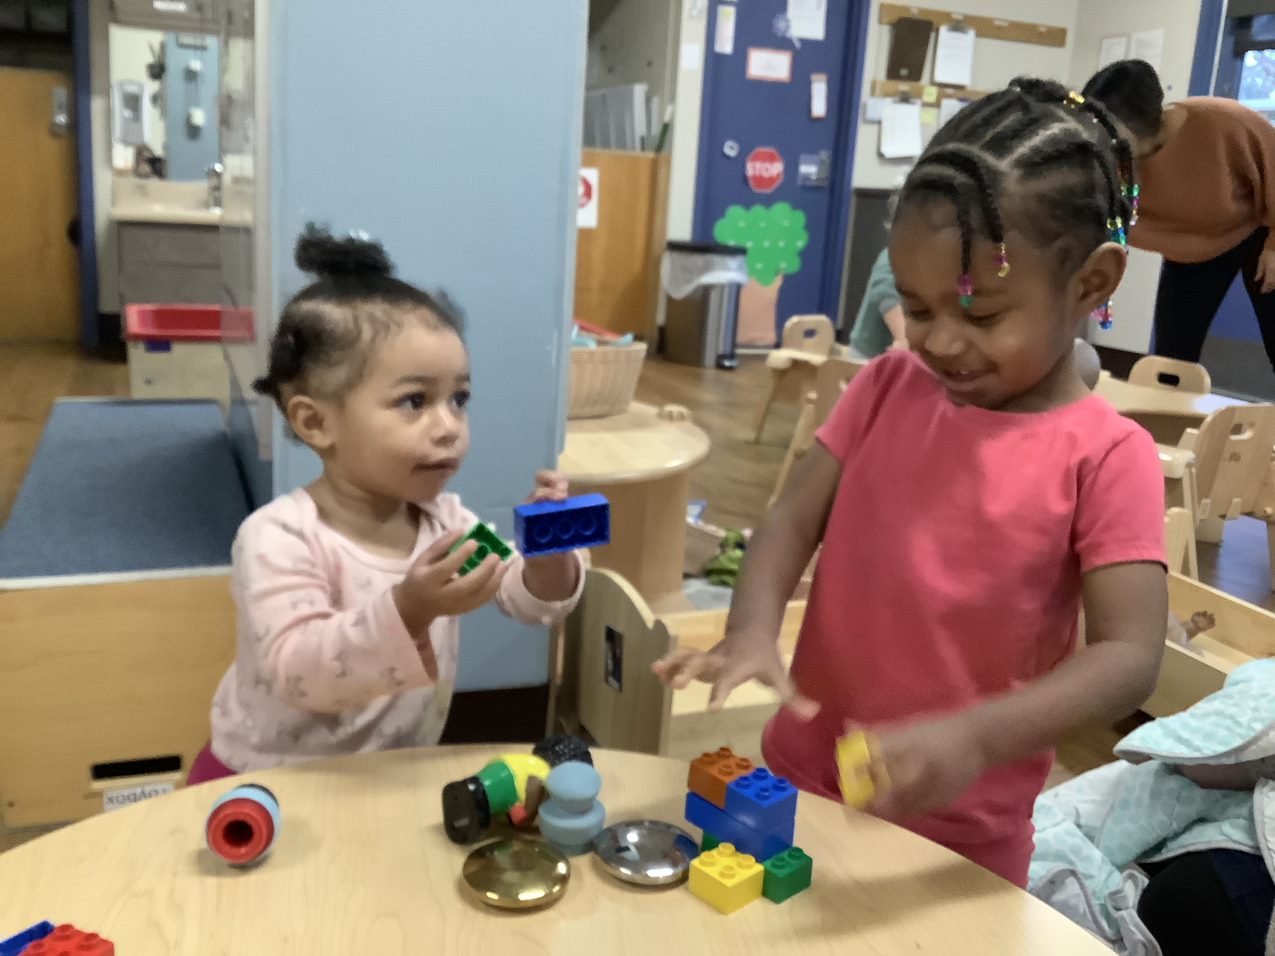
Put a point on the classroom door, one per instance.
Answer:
(39, 268)
(760, 107)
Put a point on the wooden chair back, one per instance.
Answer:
(1232, 457)
(608, 692)
(1160, 372)
(812, 334)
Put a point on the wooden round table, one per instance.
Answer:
(641, 461)
(361, 865)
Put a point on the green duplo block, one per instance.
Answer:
(709, 842)
(787, 874)
(502, 790)
(488, 543)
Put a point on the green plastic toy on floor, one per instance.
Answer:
(723, 569)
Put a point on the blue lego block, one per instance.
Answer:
(711, 819)
(552, 526)
(33, 934)
(763, 802)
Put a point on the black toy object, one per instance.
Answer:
(563, 748)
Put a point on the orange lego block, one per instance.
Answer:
(712, 773)
(67, 939)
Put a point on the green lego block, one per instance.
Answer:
(709, 842)
(488, 543)
(787, 874)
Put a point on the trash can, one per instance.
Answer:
(701, 286)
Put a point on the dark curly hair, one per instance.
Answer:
(329, 329)
(1132, 93)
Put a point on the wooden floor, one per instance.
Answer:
(32, 377)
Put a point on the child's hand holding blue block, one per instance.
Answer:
(552, 526)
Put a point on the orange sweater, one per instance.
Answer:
(1210, 186)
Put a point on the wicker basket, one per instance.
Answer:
(604, 379)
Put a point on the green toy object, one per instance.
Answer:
(773, 235)
(723, 568)
(787, 874)
(488, 543)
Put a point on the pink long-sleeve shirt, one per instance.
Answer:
(324, 664)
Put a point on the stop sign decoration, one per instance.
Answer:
(764, 168)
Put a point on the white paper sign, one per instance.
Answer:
(954, 57)
(948, 108)
(807, 19)
(724, 38)
(692, 56)
(874, 108)
(169, 6)
(818, 95)
(1148, 45)
(774, 66)
(587, 209)
(1113, 50)
(901, 130)
(127, 796)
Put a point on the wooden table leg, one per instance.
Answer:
(648, 535)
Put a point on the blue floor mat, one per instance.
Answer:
(126, 486)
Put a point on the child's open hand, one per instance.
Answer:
(927, 766)
(732, 662)
(432, 589)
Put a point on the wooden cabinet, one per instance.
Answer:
(161, 263)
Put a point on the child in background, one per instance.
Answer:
(968, 495)
(347, 591)
(879, 325)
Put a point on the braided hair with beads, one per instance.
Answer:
(1046, 158)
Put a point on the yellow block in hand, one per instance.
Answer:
(858, 767)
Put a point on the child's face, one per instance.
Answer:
(403, 431)
(1012, 349)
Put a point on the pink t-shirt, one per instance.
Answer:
(324, 664)
(951, 572)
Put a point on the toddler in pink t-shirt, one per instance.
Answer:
(347, 592)
(969, 495)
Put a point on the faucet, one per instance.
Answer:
(215, 174)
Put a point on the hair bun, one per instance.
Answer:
(322, 254)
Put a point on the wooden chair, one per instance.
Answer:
(1233, 449)
(831, 380)
(808, 340)
(1160, 372)
(606, 692)
(1179, 539)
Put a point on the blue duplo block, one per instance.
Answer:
(551, 526)
(711, 819)
(33, 934)
(763, 802)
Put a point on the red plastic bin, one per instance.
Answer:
(187, 323)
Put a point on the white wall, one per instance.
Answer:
(108, 290)
(1134, 303)
(996, 62)
(684, 144)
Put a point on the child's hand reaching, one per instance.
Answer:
(431, 589)
(734, 661)
(551, 577)
(927, 766)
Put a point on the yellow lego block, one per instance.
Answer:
(725, 879)
(523, 766)
(859, 768)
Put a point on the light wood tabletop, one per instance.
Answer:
(1164, 412)
(361, 865)
(638, 445)
(641, 460)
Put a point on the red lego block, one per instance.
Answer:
(712, 773)
(66, 940)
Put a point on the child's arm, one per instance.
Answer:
(777, 554)
(318, 658)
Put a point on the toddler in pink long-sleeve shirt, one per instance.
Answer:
(348, 598)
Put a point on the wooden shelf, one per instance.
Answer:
(992, 28)
(894, 89)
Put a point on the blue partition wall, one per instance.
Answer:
(450, 132)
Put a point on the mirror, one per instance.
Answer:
(165, 93)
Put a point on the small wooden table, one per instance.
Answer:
(641, 461)
(1165, 412)
(361, 865)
